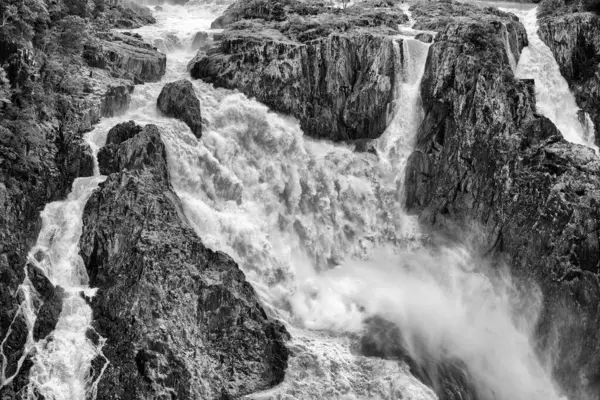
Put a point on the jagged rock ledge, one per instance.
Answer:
(179, 319)
(126, 55)
(333, 69)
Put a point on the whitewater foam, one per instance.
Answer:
(554, 99)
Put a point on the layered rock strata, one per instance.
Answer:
(126, 56)
(333, 69)
(178, 99)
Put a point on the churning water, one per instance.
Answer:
(554, 98)
(320, 232)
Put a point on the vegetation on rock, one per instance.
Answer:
(48, 98)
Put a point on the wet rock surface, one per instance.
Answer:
(575, 42)
(178, 99)
(50, 302)
(449, 378)
(333, 69)
(126, 56)
(200, 39)
(180, 320)
(485, 159)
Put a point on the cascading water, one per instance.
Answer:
(553, 96)
(321, 234)
(61, 361)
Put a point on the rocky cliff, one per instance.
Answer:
(485, 162)
(48, 99)
(180, 320)
(126, 55)
(574, 39)
(332, 69)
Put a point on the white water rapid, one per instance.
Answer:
(321, 234)
(61, 361)
(554, 98)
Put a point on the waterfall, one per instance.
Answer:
(321, 234)
(62, 360)
(553, 97)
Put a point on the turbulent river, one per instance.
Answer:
(320, 232)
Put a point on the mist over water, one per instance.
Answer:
(322, 235)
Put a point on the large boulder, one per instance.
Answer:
(200, 39)
(575, 42)
(484, 158)
(333, 69)
(178, 99)
(179, 319)
(126, 55)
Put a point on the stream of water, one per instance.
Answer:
(554, 99)
(319, 231)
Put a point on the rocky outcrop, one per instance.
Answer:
(41, 153)
(334, 70)
(437, 15)
(126, 56)
(449, 378)
(200, 40)
(485, 160)
(179, 319)
(424, 37)
(178, 99)
(575, 42)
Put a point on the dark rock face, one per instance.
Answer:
(126, 56)
(178, 99)
(116, 100)
(575, 42)
(126, 148)
(50, 305)
(333, 70)
(424, 37)
(485, 158)
(200, 40)
(449, 379)
(180, 320)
